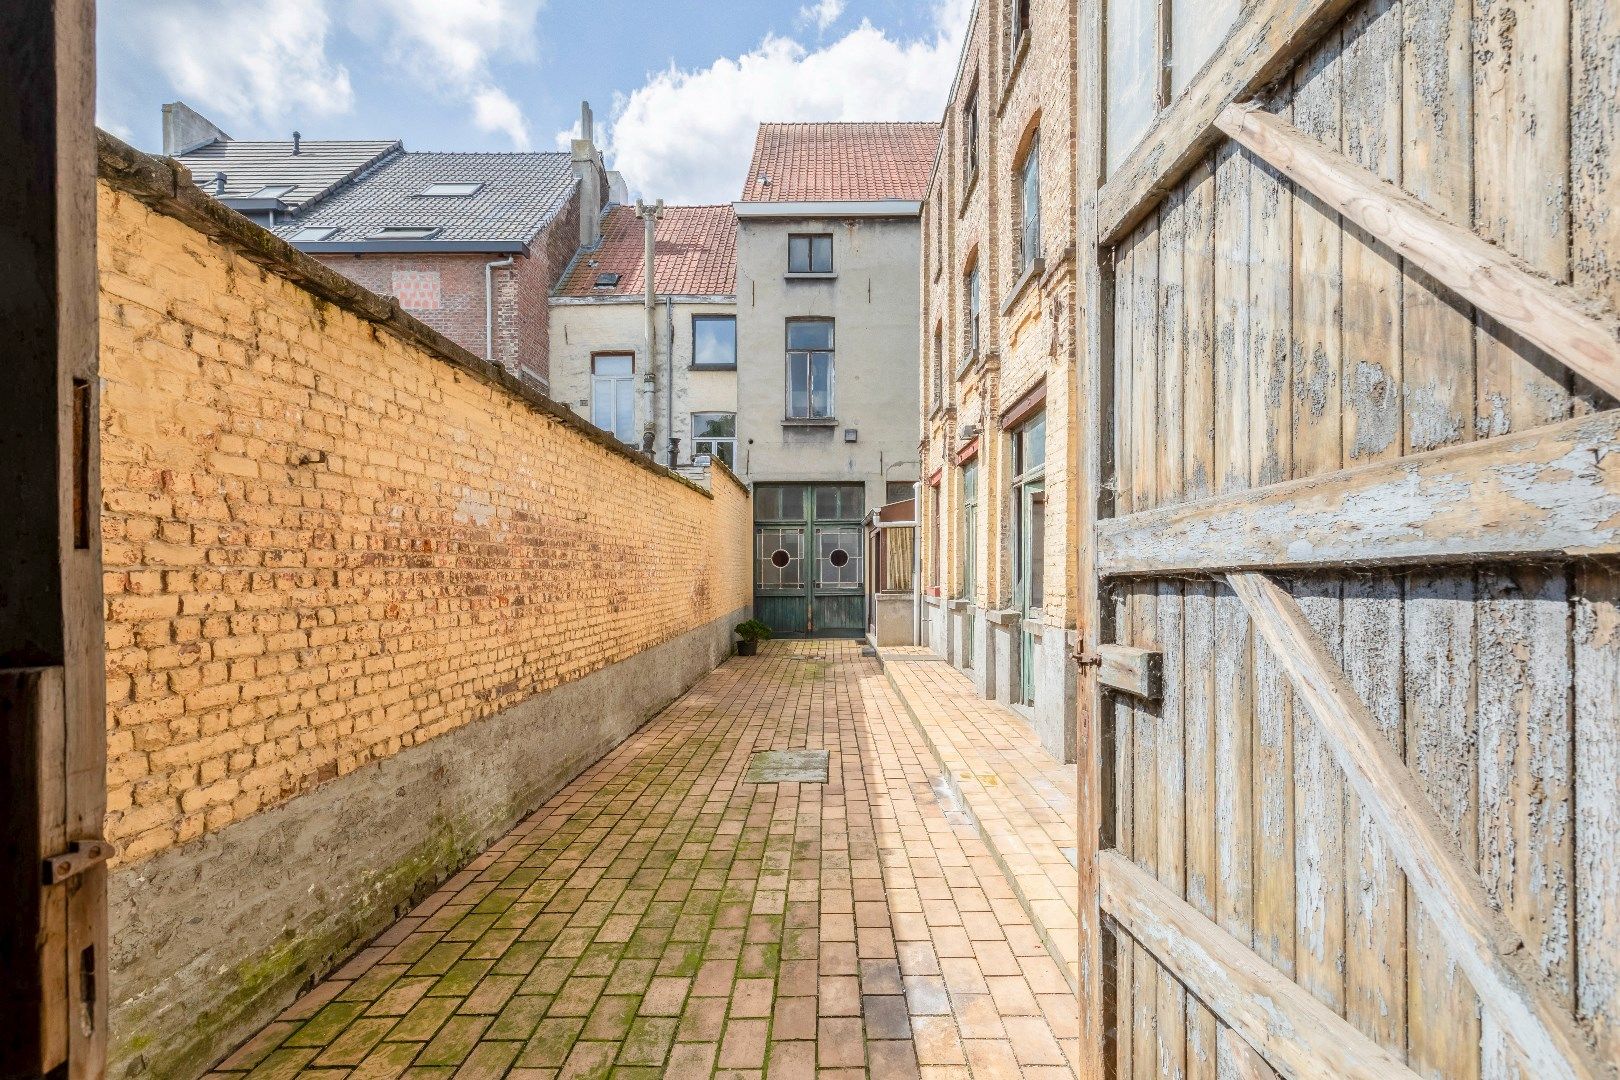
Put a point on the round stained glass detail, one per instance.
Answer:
(839, 557)
(780, 558)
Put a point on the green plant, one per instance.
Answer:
(752, 630)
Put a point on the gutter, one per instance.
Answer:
(409, 247)
(874, 208)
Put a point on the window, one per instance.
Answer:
(715, 434)
(451, 190)
(714, 341)
(273, 191)
(970, 134)
(969, 546)
(974, 310)
(810, 254)
(405, 232)
(607, 281)
(1029, 497)
(939, 365)
(613, 395)
(810, 369)
(1020, 22)
(1029, 205)
(313, 234)
(898, 491)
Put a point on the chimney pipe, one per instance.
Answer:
(297, 141)
(219, 184)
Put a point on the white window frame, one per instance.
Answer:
(1029, 205)
(811, 385)
(707, 446)
(606, 389)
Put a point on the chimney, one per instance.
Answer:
(297, 139)
(185, 129)
(593, 180)
(219, 184)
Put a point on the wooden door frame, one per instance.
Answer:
(53, 899)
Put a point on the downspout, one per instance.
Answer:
(489, 306)
(916, 563)
(649, 216)
(669, 395)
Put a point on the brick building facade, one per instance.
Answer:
(1000, 439)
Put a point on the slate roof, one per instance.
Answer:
(694, 254)
(841, 162)
(520, 194)
(317, 168)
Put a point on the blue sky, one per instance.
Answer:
(677, 86)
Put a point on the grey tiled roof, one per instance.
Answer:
(520, 194)
(316, 169)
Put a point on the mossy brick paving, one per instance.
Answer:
(664, 915)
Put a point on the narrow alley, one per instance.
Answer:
(675, 912)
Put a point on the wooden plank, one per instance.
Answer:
(1479, 939)
(1372, 282)
(1539, 494)
(1231, 382)
(1145, 486)
(1234, 769)
(1595, 270)
(1521, 193)
(1443, 1022)
(1375, 888)
(1124, 776)
(1542, 312)
(1271, 256)
(1301, 1037)
(1124, 380)
(1319, 798)
(1198, 290)
(1597, 802)
(1172, 318)
(1132, 670)
(1522, 684)
(1198, 691)
(1172, 818)
(1145, 785)
(1264, 42)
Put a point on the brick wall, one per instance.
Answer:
(330, 536)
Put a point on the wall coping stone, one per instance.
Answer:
(165, 186)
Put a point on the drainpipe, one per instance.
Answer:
(489, 306)
(649, 216)
(916, 562)
(669, 397)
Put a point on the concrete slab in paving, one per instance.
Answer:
(787, 767)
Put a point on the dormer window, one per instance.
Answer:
(451, 190)
(405, 232)
(314, 234)
(273, 191)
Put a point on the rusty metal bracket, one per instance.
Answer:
(1086, 659)
(80, 856)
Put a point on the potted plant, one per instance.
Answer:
(750, 633)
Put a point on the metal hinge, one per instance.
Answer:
(1087, 659)
(80, 856)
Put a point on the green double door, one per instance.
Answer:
(809, 565)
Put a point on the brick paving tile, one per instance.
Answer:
(660, 917)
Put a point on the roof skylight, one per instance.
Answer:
(452, 190)
(406, 232)
(273, 191)
(314, 234)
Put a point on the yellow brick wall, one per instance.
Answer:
(324, 544)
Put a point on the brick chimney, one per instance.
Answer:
(593, 180)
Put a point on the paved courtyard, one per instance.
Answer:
(663, 916)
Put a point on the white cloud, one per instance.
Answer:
(687, 136)
(451, 47)
(823, 13)
(259, 65)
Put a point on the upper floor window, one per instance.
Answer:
(970, 134)
(613, 395)
(714, 341)
(810, 369)
(1020, 22)
(810, 254)
(715, 434)
(974, 310)
(938, 384)
(1028, 205)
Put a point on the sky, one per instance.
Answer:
(678, 87)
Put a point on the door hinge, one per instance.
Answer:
(80, 856)
(1087, 659)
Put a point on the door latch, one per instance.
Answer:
(1087, 659)
(80, 856)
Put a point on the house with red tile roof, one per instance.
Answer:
(829, 268)
(668, 384)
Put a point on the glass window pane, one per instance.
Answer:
(617, 364)
(714, 340)
(839, 558)
(821, 254)
(798, 385)
(821, 388)
(714, 425)
(798, 254)
(780, 558)
(777, 502)
(810, 334)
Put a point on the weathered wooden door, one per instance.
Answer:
(53, 953)
(1355, 361)
(809, 557)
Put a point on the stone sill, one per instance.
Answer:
(1004, 617)
(810, 277)
(1032, 272)
(810, 422)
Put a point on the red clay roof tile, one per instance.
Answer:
(841, 162)
(695, 251)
